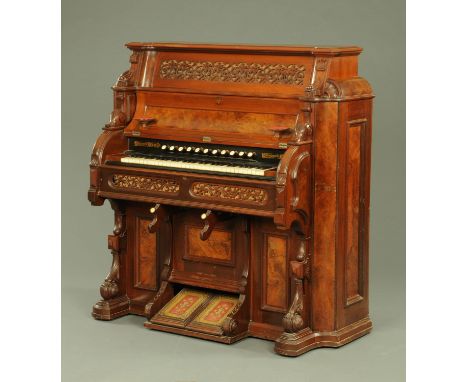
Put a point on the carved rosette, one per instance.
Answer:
(242, 72)
(146, 183)
(234, 193)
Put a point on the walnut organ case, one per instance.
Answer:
(239, 179)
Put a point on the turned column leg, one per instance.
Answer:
(114, 302)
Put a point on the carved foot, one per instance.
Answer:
(111, 309)
(289, 343)
(294, 344)
(113, 305)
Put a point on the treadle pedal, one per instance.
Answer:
(196, 310)
(211, 318)
(181, 309)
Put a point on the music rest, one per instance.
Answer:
(239, 179)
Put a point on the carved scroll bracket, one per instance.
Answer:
(124, 97)
(110, 287)
(293, 320)
(231, 322)
(303, 126)
(293, 188)
(319, 77)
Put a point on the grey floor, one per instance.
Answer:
(123, 350)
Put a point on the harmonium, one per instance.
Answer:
(239, 177)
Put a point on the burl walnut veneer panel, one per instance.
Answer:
(146, 256)
(275, 273)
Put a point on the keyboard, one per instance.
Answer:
(219, 159)
(189, 165)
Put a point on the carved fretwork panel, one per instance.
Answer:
(232, 193)
(146, 183)
(241, 72)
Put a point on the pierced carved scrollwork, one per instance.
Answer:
(146, 183)
(242, 72)
(224, 192)
(110, 287)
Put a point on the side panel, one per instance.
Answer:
(324, 210)
(353, 217)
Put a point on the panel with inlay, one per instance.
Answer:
(353, 252)
(275, 275)
(217, 247)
